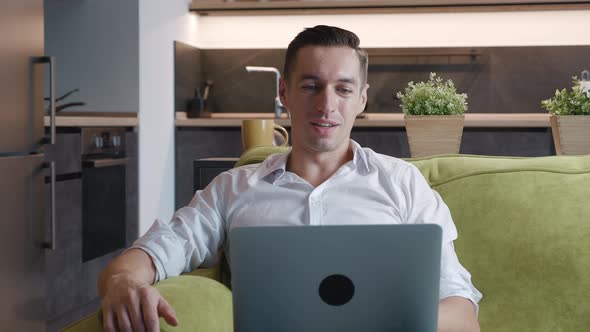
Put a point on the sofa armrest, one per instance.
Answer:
(211, 273)
(201, 304)
(220, 272)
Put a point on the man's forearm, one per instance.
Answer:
(457, 314)
(134, 263)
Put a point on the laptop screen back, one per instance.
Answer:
(336, 278)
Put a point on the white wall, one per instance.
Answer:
(405, 29)
(160, 23)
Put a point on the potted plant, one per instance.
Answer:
(571, 129)
(434, 116)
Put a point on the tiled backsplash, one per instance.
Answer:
(496, 79)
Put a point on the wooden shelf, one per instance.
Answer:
(93, 121)
(290, 7)
(473, 120)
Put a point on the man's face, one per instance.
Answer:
(324, 94)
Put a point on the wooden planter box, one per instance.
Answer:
(571, 134)
(430, 135)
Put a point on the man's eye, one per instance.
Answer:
(345, 90)
(309, 87)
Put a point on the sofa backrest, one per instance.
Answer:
(524, 234)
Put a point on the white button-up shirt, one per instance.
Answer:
(370, 189)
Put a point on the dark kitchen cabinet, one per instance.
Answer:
(206, 169)
(65, 153)
(63, 268)
(71, 283)
(63, 265)
(196, 143)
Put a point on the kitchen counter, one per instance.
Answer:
(473, 120)
(93, 119)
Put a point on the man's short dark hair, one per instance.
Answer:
(324, 35)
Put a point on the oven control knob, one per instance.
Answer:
(98, 142)
(116, 140)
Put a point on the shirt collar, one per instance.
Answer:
(275, 166)
(360, 158)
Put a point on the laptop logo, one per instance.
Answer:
(336, 290)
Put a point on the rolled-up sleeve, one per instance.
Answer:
(191, 239)
(424, 205)
(455, 280)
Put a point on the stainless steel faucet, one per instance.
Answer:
(278, 105)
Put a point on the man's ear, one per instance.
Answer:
(283, 92)
(363, 99)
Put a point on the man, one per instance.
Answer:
(325, 179)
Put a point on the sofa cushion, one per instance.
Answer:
(201, 304)
(524, 230)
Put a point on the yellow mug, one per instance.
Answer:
(261, 132)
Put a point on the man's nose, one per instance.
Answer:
(326, 101)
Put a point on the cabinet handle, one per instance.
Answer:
(51, 245)
(51, 61)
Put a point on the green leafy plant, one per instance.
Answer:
(433, 97)
(574, 102)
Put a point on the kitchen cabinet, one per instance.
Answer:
(71, 282)
(63, 265)
(63, 268)
(374, 6)
(195, 143)
(96, 47)
(65, 153)
(206, 169)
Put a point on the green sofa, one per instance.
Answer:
(524, 234)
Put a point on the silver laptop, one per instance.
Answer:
(336, 278)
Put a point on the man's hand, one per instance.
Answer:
(131, 305)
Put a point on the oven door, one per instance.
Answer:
(103, 206)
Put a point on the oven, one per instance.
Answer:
(103, 191)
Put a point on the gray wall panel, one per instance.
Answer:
(96, 45)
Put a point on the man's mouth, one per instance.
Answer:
(324, 124)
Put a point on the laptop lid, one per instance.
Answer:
(336, 278)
